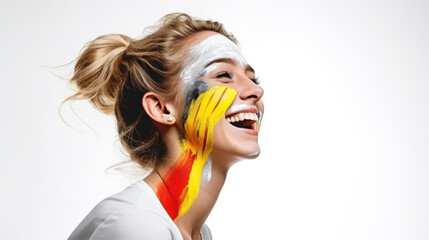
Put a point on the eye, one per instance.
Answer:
(256, 80)
(224, 75)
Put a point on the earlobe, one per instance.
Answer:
(171, 120)
(157, 109)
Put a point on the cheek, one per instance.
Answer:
(203, 114)
(260, 106)
(220, 135)
(224, 137)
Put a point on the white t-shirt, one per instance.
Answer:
(133, 214)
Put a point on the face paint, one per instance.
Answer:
(180, 186)
(192, 93)
(206, 176)
(212, 48)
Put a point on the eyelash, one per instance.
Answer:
(224, 74)
(229, 75)
(256, 80)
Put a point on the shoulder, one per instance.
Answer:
(134, 224)
(130, 214)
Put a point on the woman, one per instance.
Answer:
(188, 106)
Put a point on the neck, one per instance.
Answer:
(191, 223)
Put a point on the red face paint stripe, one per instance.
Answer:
(175, 183)
(167, 201)
(205, 139)
(220, 99)
(211, 98)
(196, 113)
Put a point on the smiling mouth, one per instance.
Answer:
(244, 120)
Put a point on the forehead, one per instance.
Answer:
(206, 48)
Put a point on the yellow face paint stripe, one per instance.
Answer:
(204, 113)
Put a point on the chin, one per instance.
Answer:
(232, 143)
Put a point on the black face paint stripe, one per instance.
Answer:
(192, 93)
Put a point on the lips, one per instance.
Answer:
(243, 116)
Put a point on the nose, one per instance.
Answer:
(249, 90)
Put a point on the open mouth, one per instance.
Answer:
(246, 120)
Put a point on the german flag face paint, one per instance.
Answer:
(180, 186)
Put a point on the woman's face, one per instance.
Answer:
(216, 60)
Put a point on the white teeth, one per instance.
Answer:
(242, 116)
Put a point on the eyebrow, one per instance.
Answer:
(248, 68)
(225, 60)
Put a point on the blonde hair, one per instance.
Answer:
(114, 72)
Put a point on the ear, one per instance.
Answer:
(158, 109)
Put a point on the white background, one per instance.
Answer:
(345, 138)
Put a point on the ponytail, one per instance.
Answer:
(98, 73)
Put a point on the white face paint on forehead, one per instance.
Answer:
(214, 47)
